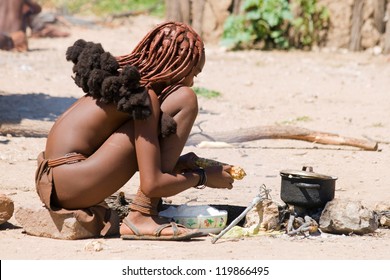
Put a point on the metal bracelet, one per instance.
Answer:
(202, 178)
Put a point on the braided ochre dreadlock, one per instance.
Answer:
(166, 55)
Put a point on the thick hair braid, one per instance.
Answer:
(96, 72)
(167, 54)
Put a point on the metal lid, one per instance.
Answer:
(306, 172)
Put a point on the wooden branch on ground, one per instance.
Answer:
(283, 132)
(26, 128)
(33, 128)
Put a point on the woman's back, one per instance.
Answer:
(83, 128)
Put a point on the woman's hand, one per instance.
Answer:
(218, 177)
(186, 162)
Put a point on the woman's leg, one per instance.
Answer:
(87, 183)
(182, 106)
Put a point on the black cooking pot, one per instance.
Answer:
(306, 189)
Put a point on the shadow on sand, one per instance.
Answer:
(33, 106)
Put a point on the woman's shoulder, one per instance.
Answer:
(186, 89)
(185, 93)
(180, 92)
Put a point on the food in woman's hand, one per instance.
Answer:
(237, 173)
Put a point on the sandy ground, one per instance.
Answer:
(330, 91)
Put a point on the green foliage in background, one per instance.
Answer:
(207, 93)
(311, 24)
(280, 24)
(105, 7)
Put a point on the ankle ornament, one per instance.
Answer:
(145, 205)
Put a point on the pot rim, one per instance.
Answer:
(305, 175)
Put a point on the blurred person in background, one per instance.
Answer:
(16, 16)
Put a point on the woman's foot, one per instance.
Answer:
(144, 227)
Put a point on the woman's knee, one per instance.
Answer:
(182, 104)
(191, 108)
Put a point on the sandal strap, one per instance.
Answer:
(157, 232)
(172, 225)
(131, 226)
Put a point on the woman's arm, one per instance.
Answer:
(155, 183)
(159, 182)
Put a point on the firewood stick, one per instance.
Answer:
(26, 128)
(283, 132)
(29, 128)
